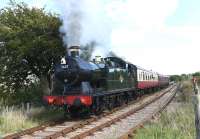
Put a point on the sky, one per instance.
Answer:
(162, 35)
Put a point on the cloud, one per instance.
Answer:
(141, 32)
(141, 35)
(142, 13)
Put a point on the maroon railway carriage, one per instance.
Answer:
(163, 80)
(146, 79)
(149, 79)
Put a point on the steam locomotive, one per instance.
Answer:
(104, 83)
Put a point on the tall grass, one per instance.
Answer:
(14, 119)
(177, 122)
(174, 125)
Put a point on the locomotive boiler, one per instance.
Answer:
(74, 72)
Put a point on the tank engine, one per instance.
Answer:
(74, 81)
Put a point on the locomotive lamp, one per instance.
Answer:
(63, 61)
(74, 51)
(97, 59)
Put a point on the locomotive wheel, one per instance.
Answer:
(98, 105)
(110, 103)
(121, 100)
(66, 112)
(97, 111)
(125, 98)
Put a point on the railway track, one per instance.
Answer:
(98, 127)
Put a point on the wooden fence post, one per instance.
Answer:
(196, 102)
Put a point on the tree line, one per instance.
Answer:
(182, 77)
(30, 43)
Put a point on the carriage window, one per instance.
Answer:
(139, 76)
(143, 76)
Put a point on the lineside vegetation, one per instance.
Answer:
(13, 119)
(176, 122)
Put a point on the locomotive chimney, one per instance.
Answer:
(74, 51)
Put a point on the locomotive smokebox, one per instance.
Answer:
(74, 51)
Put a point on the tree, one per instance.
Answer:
(197, 74)
(175, 78)
(30, 43)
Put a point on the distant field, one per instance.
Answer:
(176, 122)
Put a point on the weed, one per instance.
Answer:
(14, 119)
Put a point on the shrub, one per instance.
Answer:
(185, 92)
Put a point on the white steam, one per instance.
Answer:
(85, 21)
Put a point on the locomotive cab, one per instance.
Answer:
(121, 74)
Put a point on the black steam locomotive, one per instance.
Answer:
(103, 83)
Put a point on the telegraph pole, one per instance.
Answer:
(196, 102)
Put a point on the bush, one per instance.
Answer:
(185, 92)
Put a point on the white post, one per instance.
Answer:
(197, 108)
(27, 107)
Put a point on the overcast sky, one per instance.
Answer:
(162, 35)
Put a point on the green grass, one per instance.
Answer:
(171, 125)
(14, 119)
(177, 122)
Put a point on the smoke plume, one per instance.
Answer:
(85, 21)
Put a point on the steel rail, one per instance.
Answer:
(130, 133)
(34, 129)
(62, 120)
(118, 118)
(93, 119)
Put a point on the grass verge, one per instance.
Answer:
(176, 122)
(14, 119)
